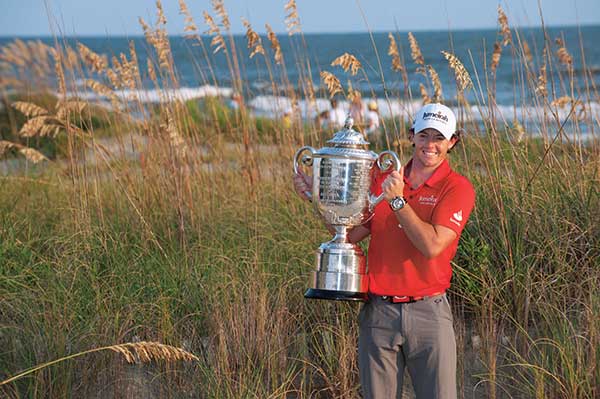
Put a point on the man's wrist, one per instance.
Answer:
(397, 203)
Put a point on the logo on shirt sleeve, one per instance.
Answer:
(457, 218)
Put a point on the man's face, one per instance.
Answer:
(431, 147)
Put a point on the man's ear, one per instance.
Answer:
(453, 141)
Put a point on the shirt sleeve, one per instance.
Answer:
(454, 208)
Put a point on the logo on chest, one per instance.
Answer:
(431, 200)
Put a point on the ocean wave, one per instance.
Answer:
(274, 107)
(277, 106)
(158, 95)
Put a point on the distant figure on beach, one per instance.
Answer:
(286, 119)
(372, 122)
(357, 109)
(236, 101)
(337, 116)
(322, 119)
(407, 321)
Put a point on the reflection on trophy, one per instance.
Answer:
(341, 182)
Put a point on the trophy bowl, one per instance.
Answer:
(342, 176)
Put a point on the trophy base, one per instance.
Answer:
(341, 273)
(315, 293)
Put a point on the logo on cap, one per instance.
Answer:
(435, 115)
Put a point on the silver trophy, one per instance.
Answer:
(341, 194)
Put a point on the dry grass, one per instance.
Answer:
(35, 126)
(292, 18)
(332, 82)
(190, 28)
(463, 79)
(438, 95)
(219, 8)
(96, 62)
(504, 28)
(395, 54)
(496, 54)
(563, 54)
(415, 50)
(348, 62)
(217, 42)
(278, 54)
(542, 81)
(145, 352)
(254, 40)
(424, 95)
(133, 352)
(29, 109)
(29, 153)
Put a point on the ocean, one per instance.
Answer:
(199, 75)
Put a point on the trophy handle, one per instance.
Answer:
(384, 164)
(306, 160)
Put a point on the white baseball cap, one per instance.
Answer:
(438, 117)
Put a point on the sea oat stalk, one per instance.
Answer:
(29, 109)
(278, 57)
(348, 62)
(415, 50)
(462, 76)
(133, 352)
(424, 96)
(496, 54)
(563, 54)
(504, 28)
(332, 82)
(292, 19)
(29, 153)
(217, 42)
(437, 84)
(395, 54)
(254, 40)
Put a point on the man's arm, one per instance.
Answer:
(429, 239)
(358, 233)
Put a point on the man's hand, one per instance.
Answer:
(393, 186)
(302, 185)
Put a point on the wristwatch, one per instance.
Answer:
(397, 203)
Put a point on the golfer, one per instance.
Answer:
(407, 322)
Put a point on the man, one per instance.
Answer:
(372, 122)
(337, 116)
(414, 235)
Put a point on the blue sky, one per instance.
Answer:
(119, 17)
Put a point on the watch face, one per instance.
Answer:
(397, 203)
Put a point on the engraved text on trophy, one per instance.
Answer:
(342, 182)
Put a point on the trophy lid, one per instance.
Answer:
(348, 137)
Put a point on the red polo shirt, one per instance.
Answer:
(395, 265)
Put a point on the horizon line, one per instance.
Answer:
(182, 34)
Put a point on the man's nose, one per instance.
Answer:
(429, 140)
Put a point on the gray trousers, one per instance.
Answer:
(416, 335)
